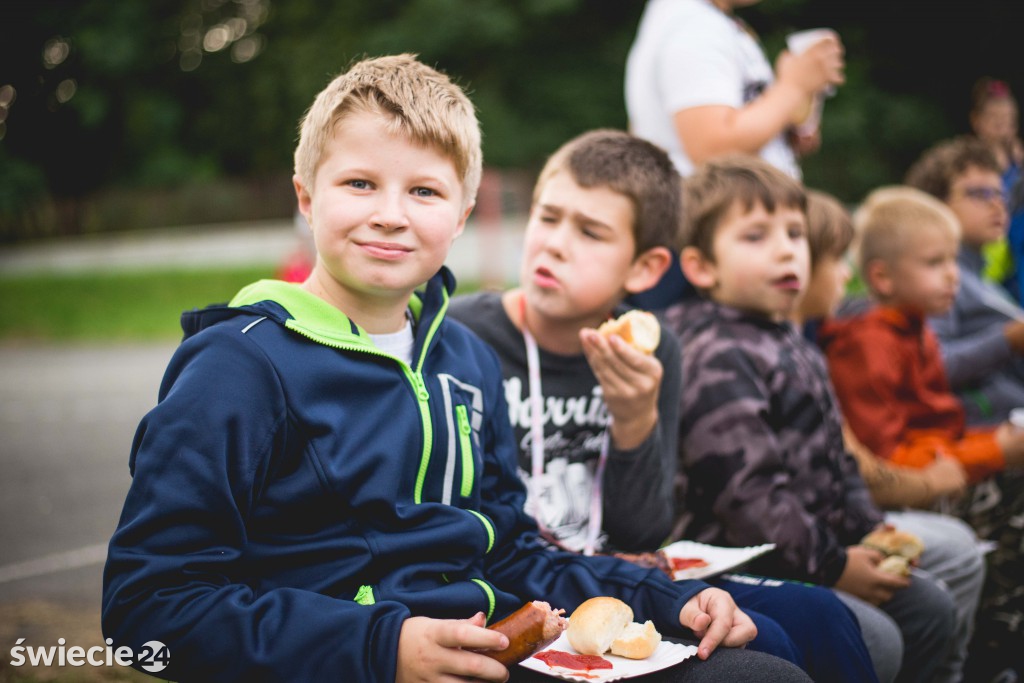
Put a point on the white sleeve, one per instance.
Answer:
(700, 65)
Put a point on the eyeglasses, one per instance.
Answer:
(984, 194)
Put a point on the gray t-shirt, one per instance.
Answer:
(638, 490)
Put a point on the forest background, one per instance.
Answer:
(127, 115)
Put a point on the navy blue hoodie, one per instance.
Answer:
(298, 493)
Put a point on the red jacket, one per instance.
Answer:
(887, 370)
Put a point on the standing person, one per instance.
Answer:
(761, 438)
(327, 486)
(952, 553)
(698, 84)
(595, 419)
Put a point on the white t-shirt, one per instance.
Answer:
(398, 344)
(688, 53)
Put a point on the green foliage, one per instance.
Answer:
(154, 103)
(128, 306)
(119, 306)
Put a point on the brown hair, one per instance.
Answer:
(412, 99)
(718, 185)
(829, 226)
(633, 167)
(936, 169)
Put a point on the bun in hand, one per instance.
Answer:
(603, 624)
(639, 329)
(895, 542)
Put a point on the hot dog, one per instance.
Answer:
(529, 629)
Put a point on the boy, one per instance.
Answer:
(982, 346)
(885, 364)
(327, 484)
(606, 209)
(889, 376)
(760, 436)
(951, 548)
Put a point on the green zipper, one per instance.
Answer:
(466, 447)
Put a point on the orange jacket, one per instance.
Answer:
(887, 370)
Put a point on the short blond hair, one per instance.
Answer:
(413, 99)
(633, 167)
(890, 216)
(719, 184)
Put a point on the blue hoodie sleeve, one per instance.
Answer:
(173, 568)
(518, 564)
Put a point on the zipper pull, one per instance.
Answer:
(421, 388)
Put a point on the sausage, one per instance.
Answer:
(529, 629)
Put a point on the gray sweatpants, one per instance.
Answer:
(952, 556)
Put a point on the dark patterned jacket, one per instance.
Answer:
(761, 444)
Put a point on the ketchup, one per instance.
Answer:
(568, 660)
(680, 563)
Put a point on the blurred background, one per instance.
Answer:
(145, 164)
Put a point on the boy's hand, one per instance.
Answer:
(946, 477)
(862, 577)
(630, 381)
(716, 620)
(1011, 441)
(439, 650)
(1014, 333)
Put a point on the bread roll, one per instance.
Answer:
(895, 542)
(603, 624)
(895, 564)
(596, 623)
(638, 641)
(640, 329)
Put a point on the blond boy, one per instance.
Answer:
(327, 486)
(886, 364)
(760, 434)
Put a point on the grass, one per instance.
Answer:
(129, 306)
(114, 307)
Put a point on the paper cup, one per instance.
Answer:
(798, 42)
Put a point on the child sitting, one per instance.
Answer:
(885, 364)
(760, 434)
(327, 486)
(889, 376)
(952, 553)
(596, 420)
(982, 334)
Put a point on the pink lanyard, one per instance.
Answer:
(537, 444)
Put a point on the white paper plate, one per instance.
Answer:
(665, 656)
(718, 559)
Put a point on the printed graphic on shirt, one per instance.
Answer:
(574, 428)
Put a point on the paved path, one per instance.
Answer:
(67, 415)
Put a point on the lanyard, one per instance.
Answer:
(537, 444)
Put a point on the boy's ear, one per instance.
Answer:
(305, 201)
(698, 269)
(878, 277)
(462, 222)
(647, 269)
